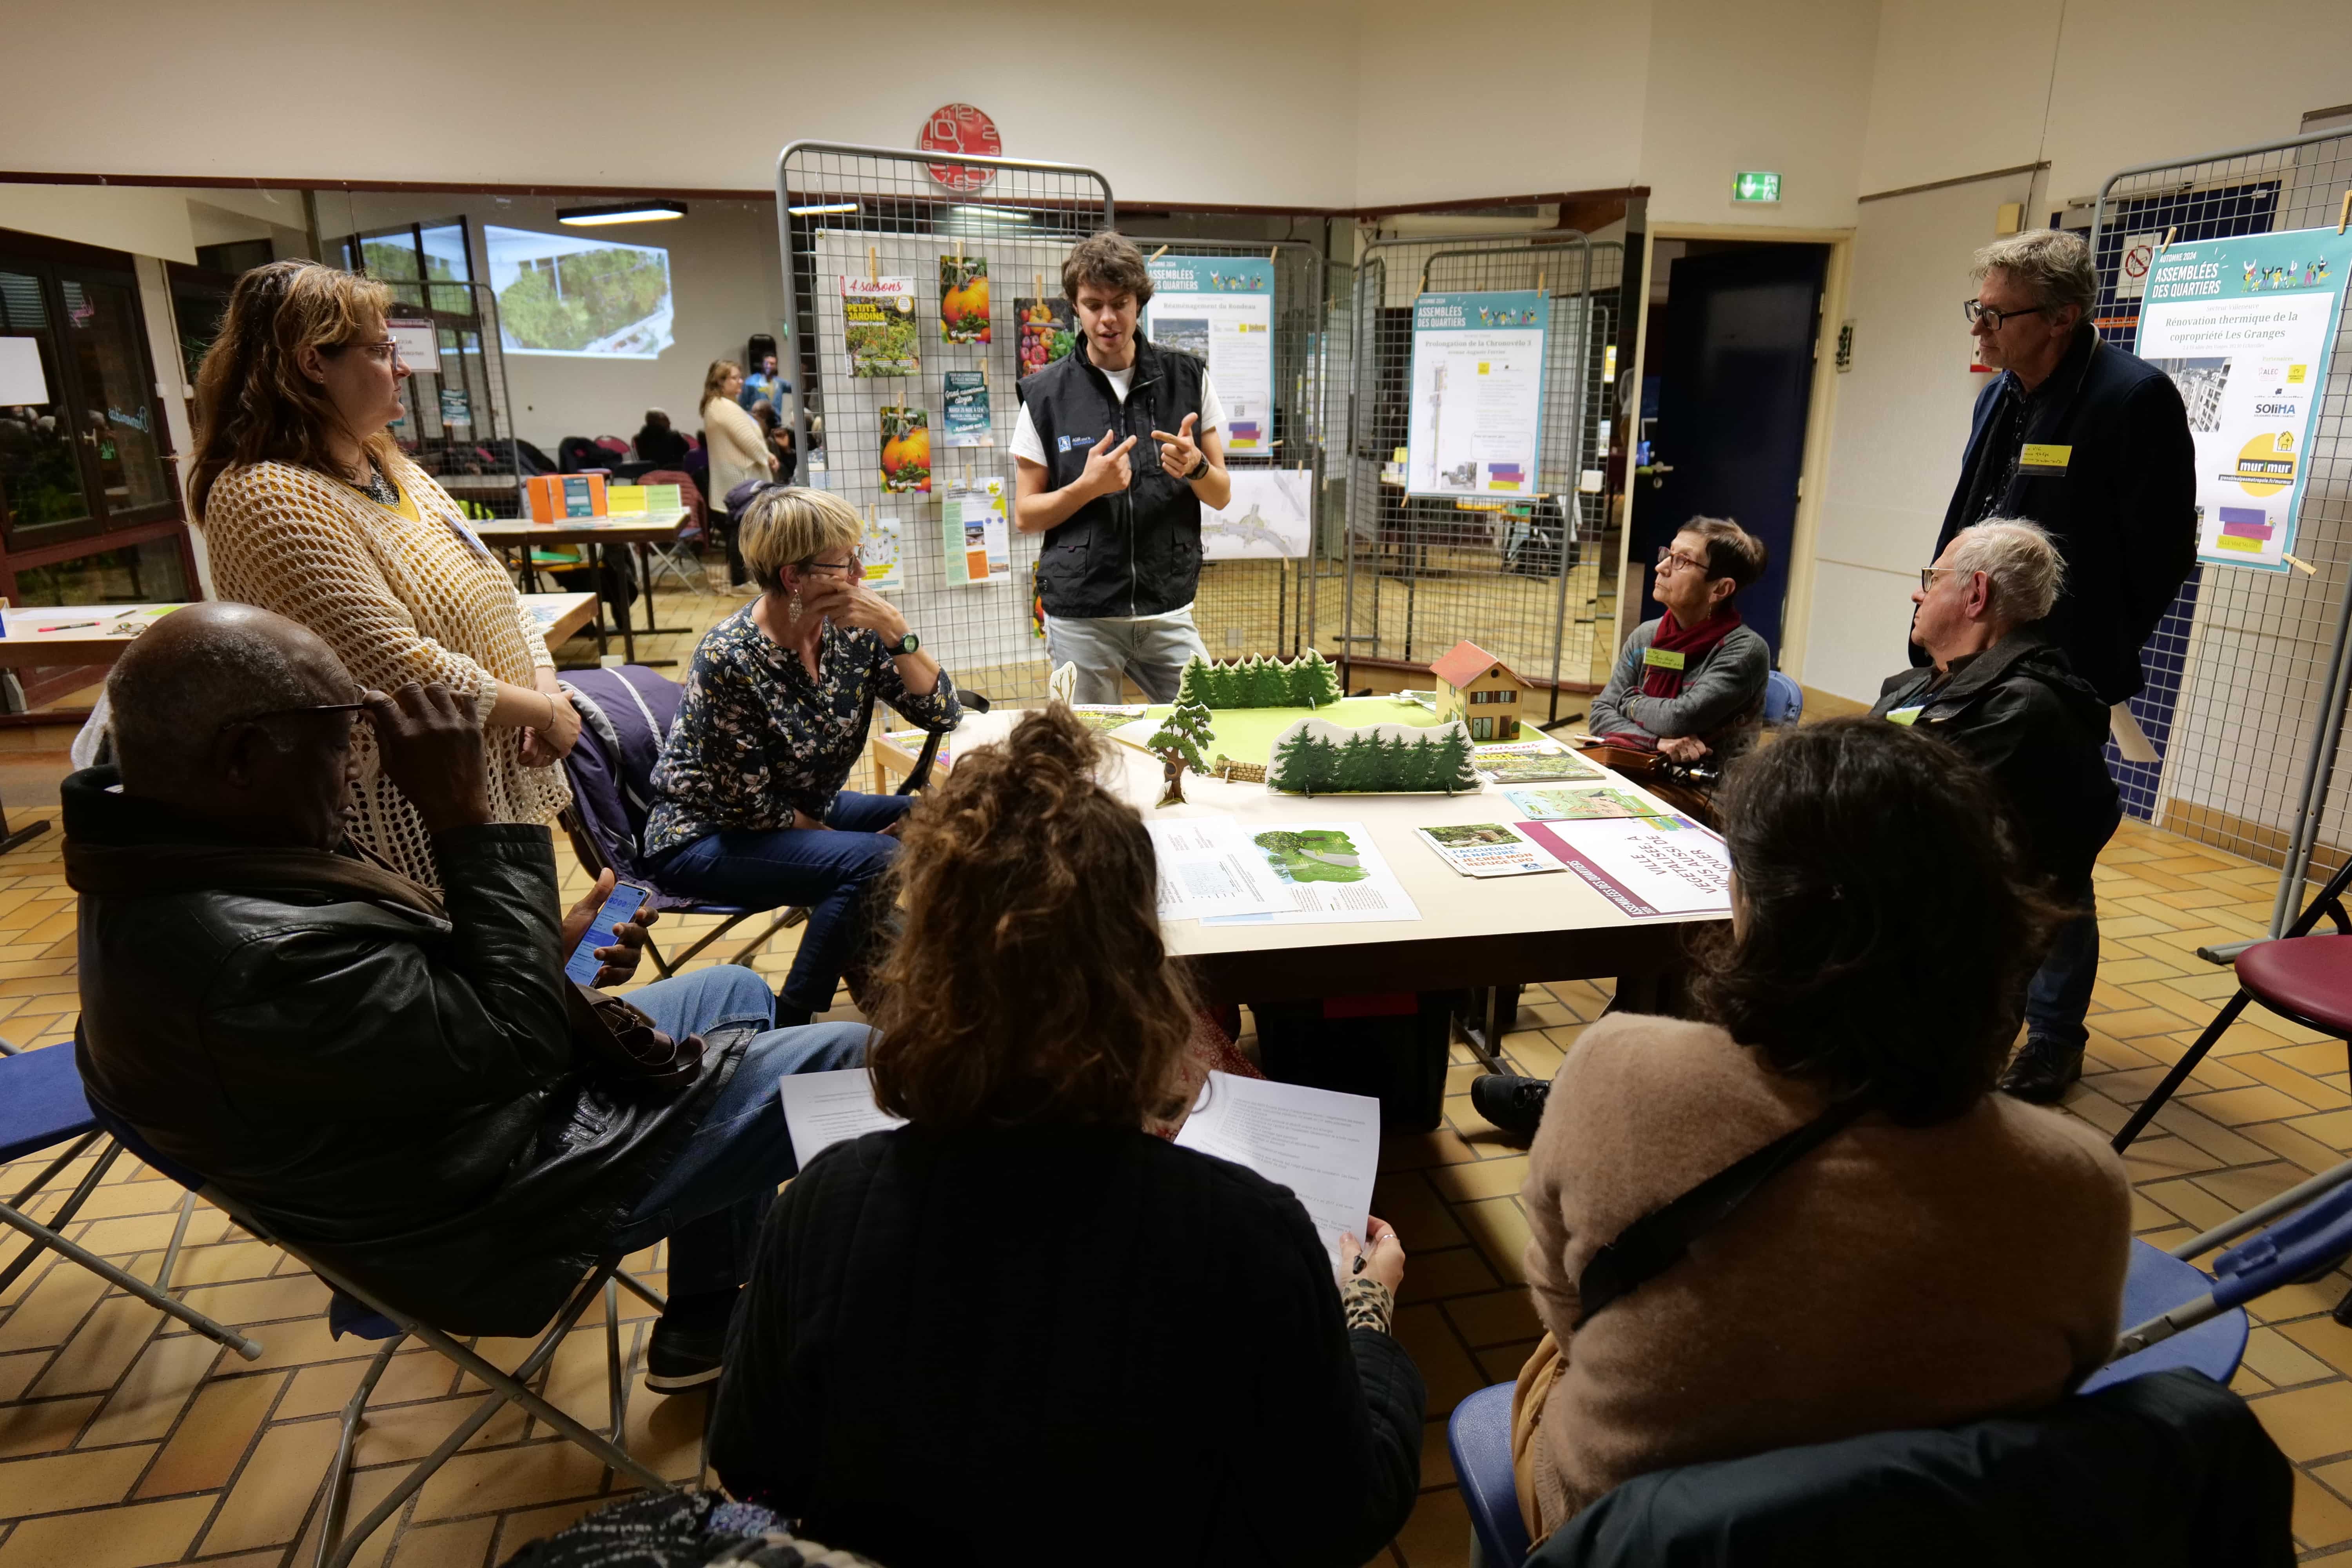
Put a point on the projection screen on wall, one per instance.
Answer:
(579, 296)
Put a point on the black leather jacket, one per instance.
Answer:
(395, 1091)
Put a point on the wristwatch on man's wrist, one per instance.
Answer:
(904, 645)
(1199, 472)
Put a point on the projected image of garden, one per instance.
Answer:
(566, 294)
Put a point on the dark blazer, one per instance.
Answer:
(1073, 1345)
(391, 1089)
(2023, 715)
(2123, 514)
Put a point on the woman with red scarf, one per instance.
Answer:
(1690, 684)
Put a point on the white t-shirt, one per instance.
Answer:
(1027, 443)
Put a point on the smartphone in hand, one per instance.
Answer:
(617, 909)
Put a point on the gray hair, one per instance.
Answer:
(168, 703)
(2020, 563)
(2056, 265)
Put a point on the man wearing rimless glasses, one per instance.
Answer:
(2085, 441)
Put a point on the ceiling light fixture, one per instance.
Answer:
(822, 208)
(621, 212)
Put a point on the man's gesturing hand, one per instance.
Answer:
(431, 743)
(1107, 466)
(1179, 453)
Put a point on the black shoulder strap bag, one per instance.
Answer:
(1659, 1239)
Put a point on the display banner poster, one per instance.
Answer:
(2245, 326)
(966, 394)
(1221, 310)
(1477, 393)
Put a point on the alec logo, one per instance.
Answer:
(1074, 443)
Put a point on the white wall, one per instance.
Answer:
(145, 222)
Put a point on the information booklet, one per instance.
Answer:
(1219, 309)
(878, 325)
(822, 1108)
(965, 421)
(1329, 872)
(906, 450)
(1645, 864)
(1487, 849)
(1208, 866)
(1048, 332)
(879, 550)
(975, 538)
(1323, 1145)
(1531, 761)
(964, 300)
(1579, 805)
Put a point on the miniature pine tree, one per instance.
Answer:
(1454, 767)
(1323, 763)
(1313, 682)
(1292, 766)
(1198, 683)
(1271, 688)
(1359, 762)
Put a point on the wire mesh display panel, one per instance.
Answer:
(858, 216)
(1251, 599)
(1522, 578)
(2246, 674)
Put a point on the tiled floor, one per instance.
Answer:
(123, 1445)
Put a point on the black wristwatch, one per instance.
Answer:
(1199, 472)
(903, 645)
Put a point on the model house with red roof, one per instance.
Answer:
(1478, 688)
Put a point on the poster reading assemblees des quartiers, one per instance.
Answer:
(1478, 393)
(2245, 326)
(1221, 310)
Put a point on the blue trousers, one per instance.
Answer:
(711, 1201)
(833, 874)
(2058, 996)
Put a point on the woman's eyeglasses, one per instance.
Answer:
(853, 567)
(383, 353)
(1670, 560)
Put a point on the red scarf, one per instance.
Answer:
(1694, 643)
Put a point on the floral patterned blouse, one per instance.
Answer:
(757, 737)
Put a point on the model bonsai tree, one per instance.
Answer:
(1177, 743)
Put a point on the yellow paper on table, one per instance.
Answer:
(624, 499)
(663, 498)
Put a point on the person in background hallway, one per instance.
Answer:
(2083, 439)
(658, 443)
(1021, 1327)
(1999, 692)
(310, 510)
(738, 452)
(1947, 1253)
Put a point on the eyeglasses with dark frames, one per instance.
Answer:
(853, 567)
(1667, 555)
(1976, 310)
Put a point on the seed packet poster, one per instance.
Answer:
(878, 324)
(964, 421)
(964, 300)
(1048, 332)
(906, 451)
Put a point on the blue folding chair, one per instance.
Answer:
(2179, 1317)
(42, 1106)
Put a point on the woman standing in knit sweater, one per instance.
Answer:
(309, 508)
(739, 451)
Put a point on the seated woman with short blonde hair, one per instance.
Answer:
(778, 701)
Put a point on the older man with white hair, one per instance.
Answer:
(1997, 689)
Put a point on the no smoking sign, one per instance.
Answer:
(2140, 255)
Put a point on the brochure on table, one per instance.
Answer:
(1644, 865)
(1220, 309)
(1323, 1145)
(2243, 326)
(1208, 866)
(1487, 849)
(1475, 425)
(1329, 872)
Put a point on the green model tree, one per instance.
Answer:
(1312, 680)
(1453, 766)
(1177, 743)
(1292, 767)
(1201, 684)
(1359, 764)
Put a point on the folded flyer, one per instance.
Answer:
(1588, 805)
(1531, 761)
(1645, 864)
(1487, 849)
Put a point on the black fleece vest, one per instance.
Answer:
(1137, 553)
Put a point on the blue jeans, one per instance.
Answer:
(2060, 993)
(711, 1201)
(833, 874)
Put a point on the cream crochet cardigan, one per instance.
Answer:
(398, 600)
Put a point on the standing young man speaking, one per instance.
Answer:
(1122, 527)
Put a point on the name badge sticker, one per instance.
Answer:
(2044, 461)
(1663, 658)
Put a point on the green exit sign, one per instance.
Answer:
(1755, 185)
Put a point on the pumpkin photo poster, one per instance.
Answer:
(1048, 332)
(906, 451)
(964, 300)
(878, 325)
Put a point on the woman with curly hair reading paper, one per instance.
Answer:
(1022, 1318)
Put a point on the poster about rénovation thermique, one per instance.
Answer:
(1477, 393)
(2243, 326)
(1220, 309)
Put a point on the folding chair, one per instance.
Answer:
(624, 714)
(357, 1311)
(41, 1106)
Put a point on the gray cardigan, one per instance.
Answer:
(1722, 698)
